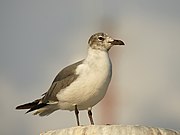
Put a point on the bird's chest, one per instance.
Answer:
(96, 70)
(89, 88)
(97, 75)
(94, 79)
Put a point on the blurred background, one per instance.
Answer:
(39, 38)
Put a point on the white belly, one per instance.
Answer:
(90, 86)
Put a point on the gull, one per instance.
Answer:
(81, 85)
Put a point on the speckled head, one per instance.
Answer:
(102, 41)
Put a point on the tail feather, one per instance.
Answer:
(38, 106)
(42, 109)
(32, 106)
(46, 110)
(28, 105)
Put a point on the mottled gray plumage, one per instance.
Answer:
(64, 78)
(101, 41)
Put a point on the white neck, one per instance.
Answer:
(98, 57)
(96, 54)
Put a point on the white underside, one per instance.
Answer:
(91, 85)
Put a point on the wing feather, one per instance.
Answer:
(64, 78)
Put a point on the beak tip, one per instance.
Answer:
(117, 42)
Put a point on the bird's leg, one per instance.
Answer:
(77, 116)
(90, 116)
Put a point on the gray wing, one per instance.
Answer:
(64, 78)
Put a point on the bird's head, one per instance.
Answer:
(102, 41)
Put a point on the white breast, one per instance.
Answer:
(92, 83)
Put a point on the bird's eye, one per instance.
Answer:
(101, 38)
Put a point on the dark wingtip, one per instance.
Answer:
(36, 107)
(25, 106)
(18, 107)
(28, 111)
(28, 105)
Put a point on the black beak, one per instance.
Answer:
(117, 42)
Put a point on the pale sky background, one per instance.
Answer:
(38, 38)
